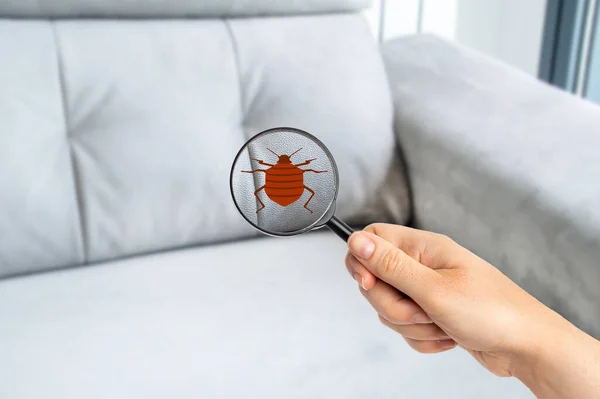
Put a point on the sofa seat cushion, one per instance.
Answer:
(262, 318)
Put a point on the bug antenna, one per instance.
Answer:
(272, 151)
(292, 154)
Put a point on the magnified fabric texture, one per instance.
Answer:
(284, 181)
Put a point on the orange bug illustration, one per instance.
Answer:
(284, 181)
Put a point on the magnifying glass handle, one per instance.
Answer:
(340, 228)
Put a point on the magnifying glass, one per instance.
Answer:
(284, 182)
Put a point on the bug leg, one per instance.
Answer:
(305, 162)
(309, 198)
(262, 205)
(316, 171)
(261, 162)
(254, 171)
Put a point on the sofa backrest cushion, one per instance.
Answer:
(117, 136)
(172, 8)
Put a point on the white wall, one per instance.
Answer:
(400, 17)
(440, 17)
(510, 30)
(372, 15)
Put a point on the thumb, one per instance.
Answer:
(394, 266)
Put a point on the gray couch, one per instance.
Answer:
(127, 271)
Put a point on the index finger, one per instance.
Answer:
(430, 249)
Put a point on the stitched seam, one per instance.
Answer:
(74, 168)
(238, 68)
(236, 56)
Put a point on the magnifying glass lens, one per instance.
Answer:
(284, 181)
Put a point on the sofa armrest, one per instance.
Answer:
(506, 165)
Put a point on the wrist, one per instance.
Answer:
(555, 361)
(531, 362)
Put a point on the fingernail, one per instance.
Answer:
(421, 318)
(361, 246)
(360, 280)
(447, 344)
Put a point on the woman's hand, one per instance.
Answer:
(437, 294)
